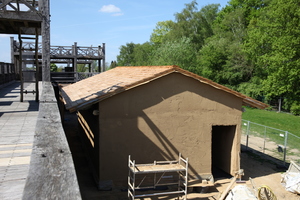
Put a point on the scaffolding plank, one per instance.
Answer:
(158, 168)
(160, 193)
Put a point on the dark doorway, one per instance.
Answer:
(222, 141)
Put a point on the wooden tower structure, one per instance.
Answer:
(68, 55)
(28, 19)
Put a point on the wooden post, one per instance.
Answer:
(103, 59)
(75, 57)
(13, 59)
(75, 52)
(37, 65)
(99, 66)
(238, 174)
(12, 49)
(20, 67)
(45, 10)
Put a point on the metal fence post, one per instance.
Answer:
(247, 136)
(285, 146)
(265, 140)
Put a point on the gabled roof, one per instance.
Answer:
(104, 85)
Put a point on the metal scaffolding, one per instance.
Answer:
(157, 174)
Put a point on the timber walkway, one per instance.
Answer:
(17, 129)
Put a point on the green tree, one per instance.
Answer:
(142, 54)
(113, 64)
(181, 53)
(223, 58)
(274, 46)
(161, 30)
(126, 56)
(53, 67)
(82, 68)
(194, 23)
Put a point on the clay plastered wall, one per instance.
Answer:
(158, 120)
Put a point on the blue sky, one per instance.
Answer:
(113, 22)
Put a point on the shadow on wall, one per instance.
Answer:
(168, 148)
(159, 120)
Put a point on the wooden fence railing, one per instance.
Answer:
(52, 173)
(7, 73)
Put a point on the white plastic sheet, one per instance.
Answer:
(291, 182)
(240, 192)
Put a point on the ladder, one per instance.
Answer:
(23, 60)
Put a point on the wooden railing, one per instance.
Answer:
(7, 73)
(52, 173)
(70, 77)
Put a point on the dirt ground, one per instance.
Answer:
(270, 148)
(262, 170)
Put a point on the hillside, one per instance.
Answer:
(283, 121)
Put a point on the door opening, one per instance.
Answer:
(222, 141)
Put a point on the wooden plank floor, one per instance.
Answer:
(17, 127)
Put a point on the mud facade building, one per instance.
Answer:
(154, 113)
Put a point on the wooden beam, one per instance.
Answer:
(20, 67)
(45, 10)
(5, 3)
(13, 7)
(20, 16)
(103, 60)
(52, 173)
(37, 68)
(29, 6)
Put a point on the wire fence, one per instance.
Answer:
(276, 143)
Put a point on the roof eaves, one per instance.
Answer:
(254, 103)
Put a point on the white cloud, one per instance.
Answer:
(110, 9)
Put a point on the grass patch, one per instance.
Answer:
(282, 121)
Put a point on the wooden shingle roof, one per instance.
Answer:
(104, 85)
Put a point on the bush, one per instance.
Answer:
(295, 108)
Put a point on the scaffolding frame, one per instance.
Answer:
(159, 171)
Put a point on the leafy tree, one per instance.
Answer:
(161, 30)
(251, 9)
(53, 67)
(82, 68)
(113, 64)
(193, 23)
(274, 46)
(142, 54)
(252, 88)
(94, 67)
(212, 57)
(126, 57)
(223, 58)
(181, 53)
(60, 69)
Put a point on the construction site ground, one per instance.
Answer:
(262, 169)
